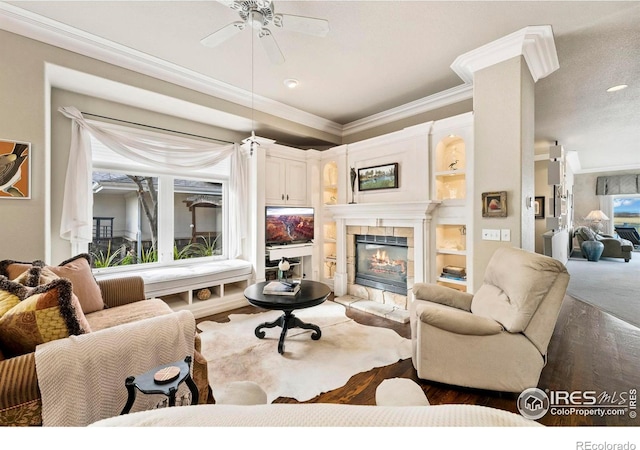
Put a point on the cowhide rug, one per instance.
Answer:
(307, 367)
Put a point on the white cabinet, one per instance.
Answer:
(285, 181)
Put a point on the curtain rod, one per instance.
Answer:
(156, 128)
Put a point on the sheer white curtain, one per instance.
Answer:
(606, 206)
(77, 206)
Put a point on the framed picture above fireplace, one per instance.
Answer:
(378, 177)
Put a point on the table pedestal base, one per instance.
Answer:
(286, 322)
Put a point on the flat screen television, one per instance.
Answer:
(288, 225)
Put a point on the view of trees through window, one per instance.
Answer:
(129, 216)
(626, 212)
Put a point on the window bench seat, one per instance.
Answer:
(179, 285)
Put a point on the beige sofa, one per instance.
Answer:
(122, 301)
(496, 339)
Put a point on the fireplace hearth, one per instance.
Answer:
(381, 262)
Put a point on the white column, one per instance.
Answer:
(340, 275)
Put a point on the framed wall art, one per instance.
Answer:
(538, 207)
(494, 204)
(15, 169)
(378, 177)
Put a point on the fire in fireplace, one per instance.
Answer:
(381, 262)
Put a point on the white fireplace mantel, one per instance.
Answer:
(420, 210)
(416, 215)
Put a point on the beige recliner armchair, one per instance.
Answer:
(497, 338)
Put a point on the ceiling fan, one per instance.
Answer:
(258, 14)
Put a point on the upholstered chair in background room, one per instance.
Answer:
(613, 247)
(497, 338)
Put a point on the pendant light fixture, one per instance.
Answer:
(253, 143)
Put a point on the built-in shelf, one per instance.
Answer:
(179, 284)
(330, 195)
(450, 168)
(452, 281)
(452, 162)
(450, 173)
(444, 251)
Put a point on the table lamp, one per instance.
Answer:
(595, 218)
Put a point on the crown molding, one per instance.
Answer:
(423, 105)
(51, 32)
(535, 43)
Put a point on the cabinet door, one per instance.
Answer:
(296, 183)
(274, 182)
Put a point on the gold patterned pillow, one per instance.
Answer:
(38, 315)
(11, 294)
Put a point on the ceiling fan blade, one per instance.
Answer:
(223, 34)
(301, 24)
(228, 3)
(271, 46)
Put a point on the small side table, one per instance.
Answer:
(592, 250)
(146, 384)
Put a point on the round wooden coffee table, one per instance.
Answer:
(312, 293)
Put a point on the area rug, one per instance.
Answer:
(307, 368)
(610, 285)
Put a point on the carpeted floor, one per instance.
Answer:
(609, 284)
(307, 367)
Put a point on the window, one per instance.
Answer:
(147, 215)
(626, 211)
(198, 219)
(122, 233)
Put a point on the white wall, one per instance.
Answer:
(106, 205)
(410, 149)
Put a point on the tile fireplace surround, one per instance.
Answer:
(405, 219)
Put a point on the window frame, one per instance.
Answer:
(166, 193)
(621, 196)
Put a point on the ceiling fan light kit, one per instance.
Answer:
(258, 15)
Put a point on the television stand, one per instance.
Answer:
(291, 251)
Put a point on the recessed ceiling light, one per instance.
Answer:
(617, 88)
(291, 83)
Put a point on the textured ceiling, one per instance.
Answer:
(381, 55)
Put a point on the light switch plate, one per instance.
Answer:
(490, 235)
(505, 234)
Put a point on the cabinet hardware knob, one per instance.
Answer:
(287, 196)
(282, 197)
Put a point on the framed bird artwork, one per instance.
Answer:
(15, 169)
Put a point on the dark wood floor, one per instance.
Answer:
(590, 350)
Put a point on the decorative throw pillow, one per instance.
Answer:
(10, 294)
(77, 270)
(36, 276)
(43, 314)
